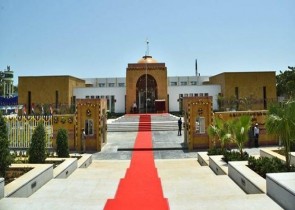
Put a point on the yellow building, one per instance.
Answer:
(246, 90)
(146, 85)
(47, 90)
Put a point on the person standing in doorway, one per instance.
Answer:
(83, 136)
(179, 126)
(256, 135)
(134, 107)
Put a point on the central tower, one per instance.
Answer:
(146, 84)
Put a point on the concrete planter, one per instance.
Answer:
(271, 153)
(218, 165)
(247, 179)
(281, 188)
(203, 158)
(66, 168)
(30, 182)
(2, 182)
(85, 161)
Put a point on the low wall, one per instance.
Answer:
(30, 182)
(66, 168)
(2, 182)
(203, 158)
(85, 161)
(281, 188)
(247, 179)
(270, 152)
(218, 165)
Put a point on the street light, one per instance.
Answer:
(145, 57)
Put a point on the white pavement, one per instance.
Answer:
(186, 184)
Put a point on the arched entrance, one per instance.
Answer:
(146, 93)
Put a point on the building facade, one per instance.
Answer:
(147, 84)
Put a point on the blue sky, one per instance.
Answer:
(98, 38)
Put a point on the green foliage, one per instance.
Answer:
(281, 121)
(215, 151)
(286, 83)
(62, 147)
(219, 131)
(5, 157)
(264, 165)
(234, 156)
(37, 150)
(239, 129)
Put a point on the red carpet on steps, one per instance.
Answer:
(141, 188)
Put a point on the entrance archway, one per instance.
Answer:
(146, 93)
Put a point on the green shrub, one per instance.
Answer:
(264, 165)
(37, 150)
(62, 147)
(235, 156)
(215, 151)
(5, 157)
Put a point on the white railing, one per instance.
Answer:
(21, 128)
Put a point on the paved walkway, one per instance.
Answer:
(186, 184)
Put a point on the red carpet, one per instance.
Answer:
(141, 188)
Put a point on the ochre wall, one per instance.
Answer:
(256, 117)
(66, 122)
(249, 84)
(194, 140)
(195, 107)
(94, 109)
(135, 71)
(43, 89)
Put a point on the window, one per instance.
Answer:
(101, 85)
(92, 97)
(173, 83)
(183, 83)
(193, 82)
(111, 84)
(89, 127)
(200, 125)
(121, 84)
(96, 96)
(206, 94)
(86, 96)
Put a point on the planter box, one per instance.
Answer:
(65, 169)
(2, 182)
(218, 165)
(270, 154)
(247, 179)
(85, 161)
(203, 158)
(30, 182)
(281, 188)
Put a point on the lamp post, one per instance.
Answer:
(146, 56)
(145, 85)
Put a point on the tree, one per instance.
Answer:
(37, 150)
(5, 157)
(281, 121)
(286, 83)
(239, 129)
(62, 148)
(219, 131)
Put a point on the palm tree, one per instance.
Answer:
(239, 128)
(281, 121)
(219, 131)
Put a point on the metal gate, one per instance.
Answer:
(21, 128)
